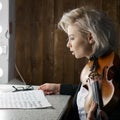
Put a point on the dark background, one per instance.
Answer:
(41, 53)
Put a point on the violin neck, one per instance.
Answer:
(97, 97)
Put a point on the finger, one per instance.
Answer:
(42, 87)
(93, 107)
(90, 116)
(91, 112)
(48, 92)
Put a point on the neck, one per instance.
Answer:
(101, 53)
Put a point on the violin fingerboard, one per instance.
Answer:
(97, 94)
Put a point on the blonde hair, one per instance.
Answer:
(91, 21)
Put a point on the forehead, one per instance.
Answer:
(73, 29)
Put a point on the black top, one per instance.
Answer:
(69, 89)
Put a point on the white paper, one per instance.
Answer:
(24, 99)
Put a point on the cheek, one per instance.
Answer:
(82, 49)
(82, 45)
(79, 51)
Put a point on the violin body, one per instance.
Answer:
(110, 90)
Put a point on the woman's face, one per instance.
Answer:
(79, 46)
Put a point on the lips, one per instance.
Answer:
(73, 53)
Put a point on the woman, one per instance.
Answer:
(90, 34)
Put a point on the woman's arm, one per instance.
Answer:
(53, 88)
(68, 89)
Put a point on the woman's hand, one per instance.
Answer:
(91, 113)
(50, 88)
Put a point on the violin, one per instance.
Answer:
(101, 83)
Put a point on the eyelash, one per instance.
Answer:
(70, 39)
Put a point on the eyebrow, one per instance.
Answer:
(70, 35)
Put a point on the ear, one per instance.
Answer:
(90, 38)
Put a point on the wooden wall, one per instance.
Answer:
(41, 53)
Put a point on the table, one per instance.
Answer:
(59, 103)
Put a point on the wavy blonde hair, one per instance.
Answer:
(91, 21)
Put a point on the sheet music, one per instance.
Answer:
(24, 99)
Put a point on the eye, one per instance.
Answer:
(71, 38)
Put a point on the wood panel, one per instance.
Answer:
(41, 52)
(48, 41)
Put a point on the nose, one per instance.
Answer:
(68, 44)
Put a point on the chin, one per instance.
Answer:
(78, 57)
